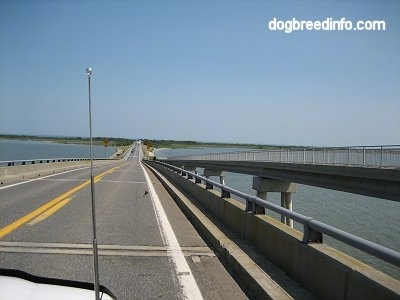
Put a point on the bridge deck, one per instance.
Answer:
(137, 258)
(374, 182)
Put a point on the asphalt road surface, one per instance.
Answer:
(147, 248)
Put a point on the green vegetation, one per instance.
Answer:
(112, 142)
(150, 144)
(193, 144)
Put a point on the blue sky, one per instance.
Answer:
(200, 70)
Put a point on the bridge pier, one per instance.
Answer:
(286, 202)
(265, 185)
(209, 172)
(190, 169)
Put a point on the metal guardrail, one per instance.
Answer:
(365, 156)
(313, 230)
(12, 163)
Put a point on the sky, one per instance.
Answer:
(200, 70)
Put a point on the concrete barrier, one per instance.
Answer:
(327, 272)
(29, 171)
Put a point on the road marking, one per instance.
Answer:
(190, 288)
(104, 250)
(50, 211)
(123, 181)
(62, 180)
(129, 171)
(41, 178)
(47, 176)
(33, 214)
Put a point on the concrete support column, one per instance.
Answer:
(265, 185)
(190, 169)
(209, 172)
(286, 202)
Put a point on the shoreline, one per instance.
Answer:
(97, 141)
(62, 142)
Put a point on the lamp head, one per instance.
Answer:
(89, 71)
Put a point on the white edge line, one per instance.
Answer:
(47, 176)
(39, 178)
(190, 288)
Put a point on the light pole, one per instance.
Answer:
(95, 251)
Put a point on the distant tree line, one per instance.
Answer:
(150, 144)
(71, 140)
(186, 144)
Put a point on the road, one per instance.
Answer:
(147, 248)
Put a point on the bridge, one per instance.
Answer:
(165, 232)
(370, 171)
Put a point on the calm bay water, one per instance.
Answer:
(374, 219)
(20, 150)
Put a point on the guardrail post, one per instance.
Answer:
(209, 186)
(253, 207)
(225, 194)
(310, 235)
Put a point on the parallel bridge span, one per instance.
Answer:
(375, 182)
(366, 170)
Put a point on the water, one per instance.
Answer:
(25, 150)
(374, 219)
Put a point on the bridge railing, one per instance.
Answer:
(365, 156)
(313, 230)
(12, 163)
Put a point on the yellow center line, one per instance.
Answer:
(50, 211)
(33, 214)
